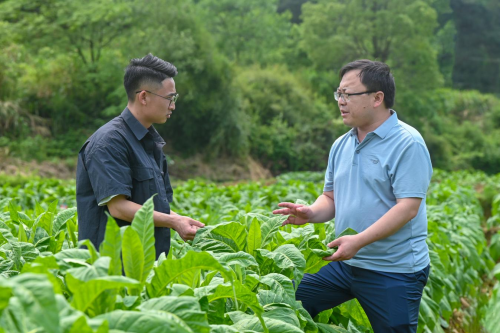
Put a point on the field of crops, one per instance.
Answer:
(236, 276)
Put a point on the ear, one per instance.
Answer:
(141, 97)
(379, 99)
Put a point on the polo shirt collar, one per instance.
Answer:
(383, 129)
(134, 124)
(387, 125)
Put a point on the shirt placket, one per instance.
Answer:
(358, 146)
(158, 173)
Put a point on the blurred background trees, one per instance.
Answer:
(256, 77)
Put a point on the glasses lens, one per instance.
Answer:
(336, 95)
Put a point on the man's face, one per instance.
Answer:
(159, 109)
(357, 111)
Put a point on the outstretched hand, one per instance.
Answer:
(298, 214)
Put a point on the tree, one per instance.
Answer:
(85, 27)
(247, 32)
(398, 32)
(477, 55)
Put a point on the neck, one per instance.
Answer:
(372, 126)
(136, 111)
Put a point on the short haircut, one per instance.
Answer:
(149, 70)
(375, 76)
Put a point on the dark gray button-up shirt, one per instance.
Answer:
(121, 157)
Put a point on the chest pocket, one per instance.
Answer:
(143, 184)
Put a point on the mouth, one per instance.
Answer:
(343, 113)
(168, 115)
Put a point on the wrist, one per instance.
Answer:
(172, 221)
(362, 239)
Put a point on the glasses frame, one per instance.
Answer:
(172, 98)
(345, 96)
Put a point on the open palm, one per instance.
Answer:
(297, 214)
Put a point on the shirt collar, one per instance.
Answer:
(383, 129)
(134, 124)
(386, 126)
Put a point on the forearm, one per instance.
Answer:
(391, 222)
(323, 208)
(125, 210)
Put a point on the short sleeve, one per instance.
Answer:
(412, 172)
(109, 172)
(329, 172)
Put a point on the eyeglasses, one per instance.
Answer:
(345, 96)
(171, 98)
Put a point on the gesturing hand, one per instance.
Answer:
(348, 246)
(298, 214)
(187, 227)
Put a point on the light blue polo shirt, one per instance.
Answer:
(366, 178)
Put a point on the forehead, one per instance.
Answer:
(168, 85)
(351, 80)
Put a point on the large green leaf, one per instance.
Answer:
(254, 238)
(111, 246)
(21, 236)
(273, 326)
(241, 258)
(243, 295)
(61, 218)
(224, 237)
(279, 284)
(269, 227)
(89, 291)
(188, 266)
(143, 224)
(282, 313)
(133, 255)
(287, 258)
(185, 307)
(325, 328)
(353, 310)
(36, 296)
(142, 322)
(223, 329)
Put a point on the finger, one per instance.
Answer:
(335, 243)
(337, 256)
(285, 211)
(197, 224)
(289, 205)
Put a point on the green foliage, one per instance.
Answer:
(255, 77)
(244, 282)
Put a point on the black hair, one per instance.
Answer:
(149, 70)
(375, 76)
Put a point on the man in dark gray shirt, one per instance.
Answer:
(122, 164)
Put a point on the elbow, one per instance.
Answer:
(115, 212)
(412, 213)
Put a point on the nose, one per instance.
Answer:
(341, 101)
(171, 106)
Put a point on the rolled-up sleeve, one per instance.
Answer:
(412, 172)
(109, 171)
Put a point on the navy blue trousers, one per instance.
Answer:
(391, 300)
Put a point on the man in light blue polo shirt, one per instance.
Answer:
(376, 182)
